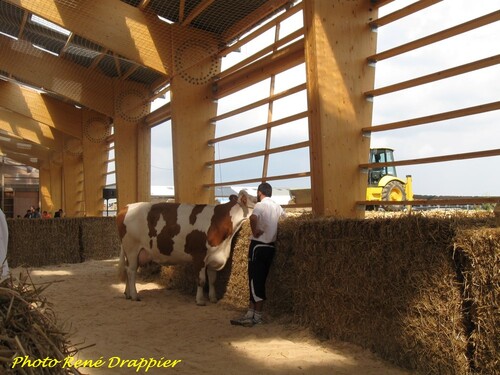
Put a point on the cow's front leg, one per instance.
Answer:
(212, 276)
(200, 298)
(130, 289)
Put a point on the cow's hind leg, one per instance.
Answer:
(212, 276)
(131, 269)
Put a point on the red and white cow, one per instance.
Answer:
(172, 233)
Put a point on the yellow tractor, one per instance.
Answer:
(383, 182)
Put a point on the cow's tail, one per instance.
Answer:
(122, 272)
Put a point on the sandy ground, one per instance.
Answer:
(166, 325)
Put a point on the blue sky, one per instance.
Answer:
(468, 134)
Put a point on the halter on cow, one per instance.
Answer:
(173, 233)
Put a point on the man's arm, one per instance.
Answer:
(254, 221)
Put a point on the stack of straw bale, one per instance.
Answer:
(393, 285)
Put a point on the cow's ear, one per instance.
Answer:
(244, 199)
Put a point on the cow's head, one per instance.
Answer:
(246, 200)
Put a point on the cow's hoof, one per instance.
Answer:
(201, 303)
(214, 300)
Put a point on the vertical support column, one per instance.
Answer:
(73, 181)
(96, 129)
(51, 184)
(338, 41)
(132, 144)
(195, 63)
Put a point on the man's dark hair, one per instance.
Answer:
(265, 189)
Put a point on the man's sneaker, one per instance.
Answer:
(245, 322)
(257, 321)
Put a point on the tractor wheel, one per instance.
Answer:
(394, 191)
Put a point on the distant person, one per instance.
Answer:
(36, 214)
(59, 213)
(46, 215)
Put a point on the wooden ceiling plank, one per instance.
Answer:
(52, 112)
(94, 90)
(124, 29)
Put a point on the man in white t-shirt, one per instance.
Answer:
(264, 225)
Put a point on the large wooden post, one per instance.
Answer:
(73, 179)
(132, 148)
(338, 41)
(192, 107)
(51, 184)
(96, 129)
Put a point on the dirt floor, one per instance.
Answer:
(125, 336)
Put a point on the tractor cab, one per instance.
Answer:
(383, 182)
(380, 155)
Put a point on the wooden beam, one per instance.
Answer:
(255, 154)
(130, 32)
(204, 4)
(336, 45)
(401, 13)
(261, 30)
(64, 117)
(259, 103)
(30, 130)
(435, 202)
(434, 118)
(436, 37)
(434, 159)
(286, 58)
(381, 3)
(78, 84)
(259, 179)
(452, 72)
(252, 19)
(182, 7)
(259, 128)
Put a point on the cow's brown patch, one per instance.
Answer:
(196, 210)
(221, 226)
(196, 246)
(120, 222)
(165, 238)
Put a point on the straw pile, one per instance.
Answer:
(28, 329)
(479, 251)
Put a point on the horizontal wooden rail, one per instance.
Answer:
(263, 52)
(434, 118)
(433, 38)
(452, 72)
(259, 128)
(259, 179)
(286, 58)
(158, 116)
(381, 3)
(259, 103)
(403, 12)
(233, 47)
(294, 146)
(435, 159)
(434, 201)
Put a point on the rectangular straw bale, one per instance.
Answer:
(386, 284)
(479, 253)
(99, 238)
(41, 242)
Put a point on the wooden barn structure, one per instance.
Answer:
(78, 78)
